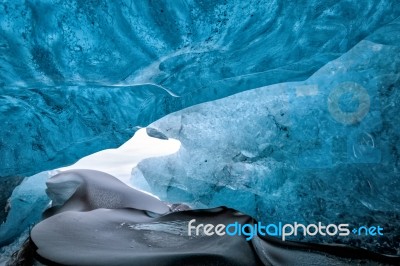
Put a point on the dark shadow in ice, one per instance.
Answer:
(273, 251)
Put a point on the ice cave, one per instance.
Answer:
(123, 121)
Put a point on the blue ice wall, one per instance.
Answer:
(72, 72)
(24, 208)
(323, 150)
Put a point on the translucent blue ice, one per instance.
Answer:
(72, 72)
(323, 150)
(25, 207)
(322, 142)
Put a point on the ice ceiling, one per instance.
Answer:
(77, 77)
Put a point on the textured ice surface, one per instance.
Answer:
(326, 149)
(7, 186)
(72, 72)
(25, 208)
(77, 77)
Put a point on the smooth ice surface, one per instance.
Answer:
(117, 162)
(85, 190)
(77, 77)
(127, 236)
(324, 150)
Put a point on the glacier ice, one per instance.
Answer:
(77, 77)
(26, 205)
(284, 152)
(45, 127)
(111, 235)
(7, 185)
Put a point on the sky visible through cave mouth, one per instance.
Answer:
(119, 162)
